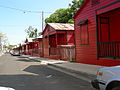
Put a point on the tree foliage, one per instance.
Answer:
(75, 5)
(32, 32)
(3, 38)
(2, 35)
(60, 16)
(65, 15)
(10, 47)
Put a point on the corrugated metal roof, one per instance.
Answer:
(29, 39)
(40, 36)
(62, 26)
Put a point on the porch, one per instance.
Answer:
(54, 41)
(108, 34)
(109, 50)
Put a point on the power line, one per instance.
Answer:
(22, 10)
(16, 25)
(29, 11)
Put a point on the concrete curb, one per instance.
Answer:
(92, 76)
(86, 74)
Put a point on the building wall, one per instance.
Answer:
(61, 39)
(46, 47)
(70, 38)
(41, 48)
(88, 53)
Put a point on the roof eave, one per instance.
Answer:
(63, 29)
(76, 14)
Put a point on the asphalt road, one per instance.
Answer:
(24, 74)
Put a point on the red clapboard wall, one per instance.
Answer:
(88, 32)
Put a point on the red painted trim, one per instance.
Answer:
(108, 8)
(77, 13)
(44, 29)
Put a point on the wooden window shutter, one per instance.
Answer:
(84, 34)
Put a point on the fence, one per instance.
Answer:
(65, 52)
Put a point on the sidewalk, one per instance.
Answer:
(71, 66)
(79, 67)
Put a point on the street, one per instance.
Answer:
(22, 73)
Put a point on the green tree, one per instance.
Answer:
(75, 5)
(60, 16)
(65, 15)
(10, 47)
(3, 38)
(32, 32)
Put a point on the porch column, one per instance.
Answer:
(56, 48)
(48, 45)
(56, 40)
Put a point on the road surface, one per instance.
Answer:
(22, 73)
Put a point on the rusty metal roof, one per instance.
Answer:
(62, 26)
(29, 40)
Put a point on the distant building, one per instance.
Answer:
(38, 46)
(54, 35)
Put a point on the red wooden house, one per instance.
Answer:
(23, 49)
(37, 47)
(56, 34)
(28, 47)
(97, 32)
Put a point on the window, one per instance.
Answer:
(84, 34)
(94, 2)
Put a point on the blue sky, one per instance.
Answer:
(14, 22)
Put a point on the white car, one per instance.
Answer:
(15, 53)
(6, 88)
(108, 78)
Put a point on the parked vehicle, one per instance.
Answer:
(6, 88)
(15, 53)
(108, 78)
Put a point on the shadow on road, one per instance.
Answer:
(22, 57)
(21, 82)
(45, 78)
(27, 60)
(42, 69)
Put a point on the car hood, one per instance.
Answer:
(114, 68)
(6, 88)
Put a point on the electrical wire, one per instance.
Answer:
(23, 10)
(16, 25)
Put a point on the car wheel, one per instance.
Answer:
(116, 88)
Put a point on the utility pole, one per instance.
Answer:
(0, 43)
(42, 20)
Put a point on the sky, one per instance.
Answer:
(13, 22)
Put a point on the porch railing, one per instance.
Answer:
(109, 49)
(67, 52)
